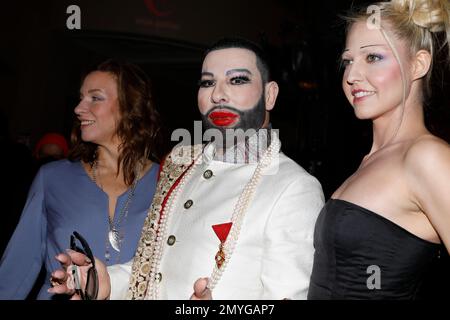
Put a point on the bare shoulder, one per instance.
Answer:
(427, 154)
(427, 169)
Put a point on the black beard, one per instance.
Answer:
(249, 119)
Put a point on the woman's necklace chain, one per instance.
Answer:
(116, 234)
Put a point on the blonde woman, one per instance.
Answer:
(379, 232)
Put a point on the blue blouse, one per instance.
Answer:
(63, 199)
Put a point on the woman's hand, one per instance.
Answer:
(74, 273)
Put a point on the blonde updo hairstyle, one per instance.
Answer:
(422, 24)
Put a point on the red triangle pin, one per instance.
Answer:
(222, 231)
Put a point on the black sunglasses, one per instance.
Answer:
(91, 290)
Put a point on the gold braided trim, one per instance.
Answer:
(174, 167)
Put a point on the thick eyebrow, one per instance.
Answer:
(210, 74)
(205, 73)
(238, 70)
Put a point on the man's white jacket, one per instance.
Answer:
(273, 256)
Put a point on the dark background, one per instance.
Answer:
(41, 62)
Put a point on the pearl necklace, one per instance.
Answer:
(239, 212)
(236, 219)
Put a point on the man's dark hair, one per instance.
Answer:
(262, 61)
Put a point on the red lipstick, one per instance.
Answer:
(223, 118)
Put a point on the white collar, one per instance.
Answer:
(249, 151)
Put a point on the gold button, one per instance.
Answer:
(158, 277)
(188, 204)
(207, 174)
(171, 240)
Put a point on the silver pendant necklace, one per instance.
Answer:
(115, 236)
(114, 240)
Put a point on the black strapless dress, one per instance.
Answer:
(349, 240)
